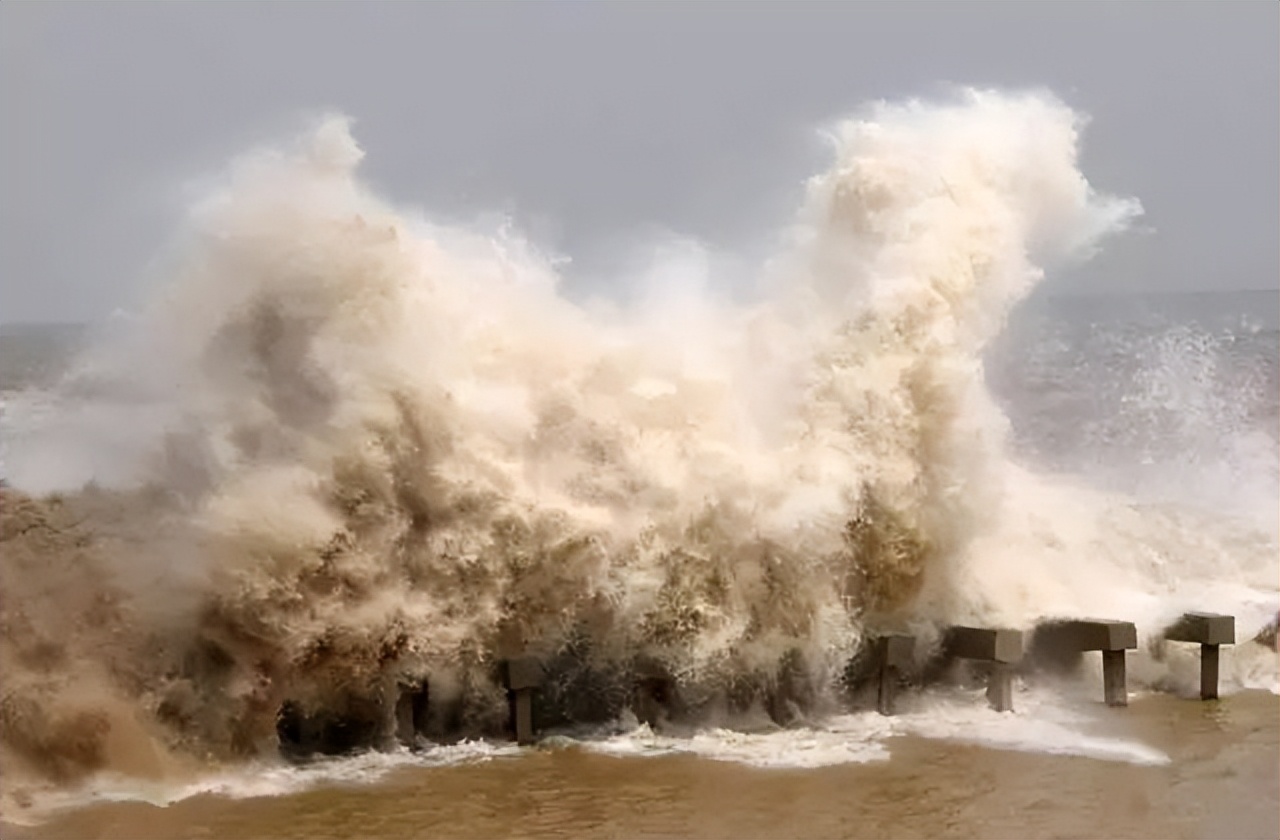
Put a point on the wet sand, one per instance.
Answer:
(1223, 781)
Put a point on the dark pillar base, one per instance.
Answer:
(1210, 631)
(411, 712)
(895, 653)
(523, 675)
(1209, 672)
(522, 715)
(1113, 678)
(888, 689)
(1000, 687)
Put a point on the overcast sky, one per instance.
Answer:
(595, 123)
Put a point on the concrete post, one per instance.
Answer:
(888, 689)
(1000, 687)
(1114, 688)
(404, 719)
(411, 711)
(896, 653)
(654, 693)
(524, 716)
(1211, 631)
(1208, 672)
(523, 675)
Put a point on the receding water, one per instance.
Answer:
(1222, 780)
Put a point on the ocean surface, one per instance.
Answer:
(348, 454)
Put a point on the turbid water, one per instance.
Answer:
(1221, 780)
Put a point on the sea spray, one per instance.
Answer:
(345, 447)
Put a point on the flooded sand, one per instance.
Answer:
(1222, 781)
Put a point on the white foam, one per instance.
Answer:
(1043, 723)
(258, 779)
(854, 740)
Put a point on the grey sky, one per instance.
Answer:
(595, 122)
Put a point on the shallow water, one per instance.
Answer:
(1221, 780)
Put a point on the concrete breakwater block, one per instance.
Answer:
(1001, 647)
(1060, 643)
(1081, 634)
(1210, 631)
(983, 643)
(1203, 628)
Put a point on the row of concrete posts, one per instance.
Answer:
(1060, 643)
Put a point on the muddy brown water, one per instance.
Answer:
(1222, 781)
